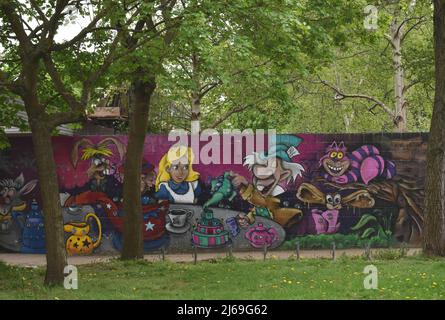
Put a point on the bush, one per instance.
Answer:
(342, 241)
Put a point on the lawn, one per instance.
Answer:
(399, 278)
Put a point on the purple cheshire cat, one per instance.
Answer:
(364, 164)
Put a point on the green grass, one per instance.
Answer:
(399, 278)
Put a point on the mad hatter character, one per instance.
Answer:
(177, 182)
(272, 172)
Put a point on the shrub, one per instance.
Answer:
(342, 241)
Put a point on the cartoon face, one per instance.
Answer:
(215, 185)
(11, 192)
(268, 174)
(179, 169)
(335, 161)
(100, 167)
(148, 181)
(9, 200)
(309, 193)
(8, 194)
(333, 201)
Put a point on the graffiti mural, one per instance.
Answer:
(308, 188)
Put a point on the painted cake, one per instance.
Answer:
(209, 232)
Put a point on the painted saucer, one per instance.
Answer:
(178, 230)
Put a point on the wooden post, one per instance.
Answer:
(195, 254)
(264, 252)
(297, 249)
(163, 253)
(404, 248)
(368, 251)
(230, 250)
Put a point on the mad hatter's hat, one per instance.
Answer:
(285, 148)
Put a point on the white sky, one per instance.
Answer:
(66, 31)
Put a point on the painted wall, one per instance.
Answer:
(351, 189)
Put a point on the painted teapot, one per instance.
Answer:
(259, 236)
(80, 242)
(33, 232)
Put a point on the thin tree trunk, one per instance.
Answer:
(196, 114)
(195, 124)
(400, 102)
(133, 237)
(52, 211)
(434, 228)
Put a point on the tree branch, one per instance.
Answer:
(84, 32)
(58, 83)
(14, 20)
(340, 95)
(206, 88)
(406, 21)
(412, 28)
(10, 85)
(50, 27)
(236, 109)
(184, 68)
(36, 7)
(94, 76)
(411, 84)
(166, 9)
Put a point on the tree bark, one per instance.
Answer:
(133, 236)
(195, 120)
(47, 175)
(52, 210)
(434, 228)
(396, 31)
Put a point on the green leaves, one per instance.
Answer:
(364, 220)
(250, 49)
(257, 60)
(375, 224)
(367, 233)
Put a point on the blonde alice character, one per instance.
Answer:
(177, 182)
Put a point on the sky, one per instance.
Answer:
(66, 31)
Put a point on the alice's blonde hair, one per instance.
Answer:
(173, 154)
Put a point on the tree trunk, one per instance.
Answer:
(400, 102)
(195, 120)
(133, 241)
(52, 211)
(434, 221)
(195, 125)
